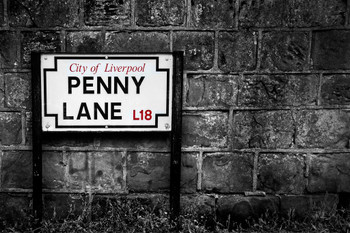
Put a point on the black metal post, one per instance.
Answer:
(37, 141)
(175, 166)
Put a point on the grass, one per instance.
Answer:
(134, 215)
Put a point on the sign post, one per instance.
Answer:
(175, 166)
(37, 141)
(107, 93)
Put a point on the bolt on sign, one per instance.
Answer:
(106, 92)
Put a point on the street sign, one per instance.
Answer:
(72, 92)
(105, 92)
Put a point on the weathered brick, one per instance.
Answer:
(160, 13)
(148, 171)
(137, 42)
(281, 173)
(107, 172)
(302, 206)
(213, 14)
(330, 50)
(39, 41)
(139, 141)
(329, 173)
(19, 14)
(11, 128)
(234, 208)
(84, 42)
(209, 129)
(335, 90)
(16, 170)
(315, 13)
(290, 53)
(323, 129)
(8, 50)
(53, 170)
(2, 13)
(259, 13)
(227, 172)
(189, 173)
(18, 90)
(291, 13)
(78, 169)
(70, 139)
(61, 206)
(278, 90)
(14, 207)
(263, 129)
(140, 164)
(107, 12)
(211, 90)
(198, 47)
(49, 13)
(237, 51)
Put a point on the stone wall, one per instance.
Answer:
(266, 103)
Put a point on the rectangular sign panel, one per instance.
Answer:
(106, 92)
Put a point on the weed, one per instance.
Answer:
(138, 215)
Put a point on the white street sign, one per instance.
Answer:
(105, 92)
